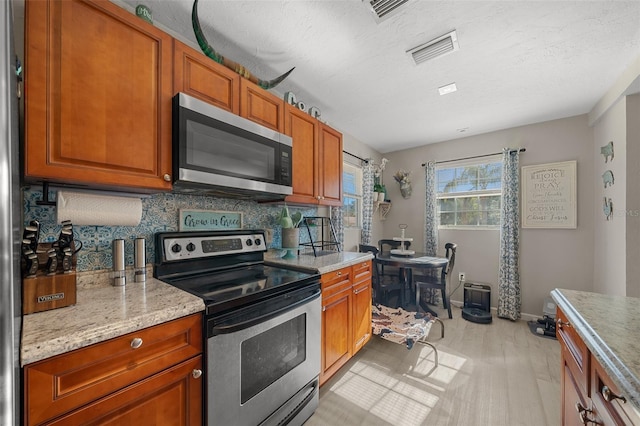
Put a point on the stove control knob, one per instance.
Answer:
(249, 243)
(258, 241)
(191, 247)
(176, 248)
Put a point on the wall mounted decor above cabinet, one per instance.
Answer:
(317, 159)
(98, 88)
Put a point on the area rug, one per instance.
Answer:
(400, 326)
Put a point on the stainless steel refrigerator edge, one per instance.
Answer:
(10, 224)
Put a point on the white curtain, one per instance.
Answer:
(367, 202)
(509, 298)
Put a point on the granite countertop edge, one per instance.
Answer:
(321, 264)
(618, 371)
(102, 313)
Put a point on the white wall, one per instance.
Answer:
(609, 272)
(633, 195)
(549, 258)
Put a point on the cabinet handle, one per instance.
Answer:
(196, 373)
(584, 412)
(610, 396)
(360, 290)
(167, 177)
(339, 273)
(136, 343)
(561, 323)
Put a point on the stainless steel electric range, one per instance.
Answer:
(261, 325)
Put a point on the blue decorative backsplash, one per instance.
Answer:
(160, 212)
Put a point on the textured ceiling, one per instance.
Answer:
(519, 62)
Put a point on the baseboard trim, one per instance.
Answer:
(494, 310)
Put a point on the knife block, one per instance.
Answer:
(43, 292)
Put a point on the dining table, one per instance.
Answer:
(407, 261)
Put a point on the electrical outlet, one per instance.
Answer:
(461, 276)
(268, 235)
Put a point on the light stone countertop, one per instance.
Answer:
(321, 264)
(102, 312)
(609, 326)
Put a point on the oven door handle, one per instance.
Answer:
(230, 327)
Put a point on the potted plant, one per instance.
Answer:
(378, 192)
(290, 230)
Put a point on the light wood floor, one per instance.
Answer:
(489, 374)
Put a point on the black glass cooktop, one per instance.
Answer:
(235, 287)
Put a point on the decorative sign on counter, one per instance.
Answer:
(549, 195)
(201, 220)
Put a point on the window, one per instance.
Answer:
(469, 195)
(351, 195)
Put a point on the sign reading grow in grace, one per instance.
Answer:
(549, 195)
(200, 220)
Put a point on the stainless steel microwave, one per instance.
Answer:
(217, 152)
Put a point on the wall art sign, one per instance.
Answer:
(208, 220)
(549, 195)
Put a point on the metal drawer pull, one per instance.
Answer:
(561, 323)
(136, 343)
(196, 373)
(610, 396)
(583, 412)
(339, 273)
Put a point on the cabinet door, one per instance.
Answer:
(303, 129)
(199, 76)
(571, 396)
(336, 332)
(361, 304)
(98, 90)
(330, 166)
(260, 106)
(172, 397)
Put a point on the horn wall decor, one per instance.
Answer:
(234, 66)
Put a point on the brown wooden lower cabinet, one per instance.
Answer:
(589, 396)
(346, 315)
(154, 373)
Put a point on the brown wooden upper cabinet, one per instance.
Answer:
(98, 88)
(201, 77)
(317, 160)
(260, 106)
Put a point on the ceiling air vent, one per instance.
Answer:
(437, 47)
(383, 9)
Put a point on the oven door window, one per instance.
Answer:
(270, 355)
(214, 149)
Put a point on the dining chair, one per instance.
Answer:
(385, 247)
(383, 286)
(437, 281)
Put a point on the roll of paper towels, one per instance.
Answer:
(94, 209)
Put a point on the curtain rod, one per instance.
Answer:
(366, 160)
(475, 156)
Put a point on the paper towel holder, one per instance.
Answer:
(45, 196)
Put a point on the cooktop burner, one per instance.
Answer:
(224, 268)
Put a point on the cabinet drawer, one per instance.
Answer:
(362, 271)
(608, 406)
(336, 281)
(65, 382)
(574, 351)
